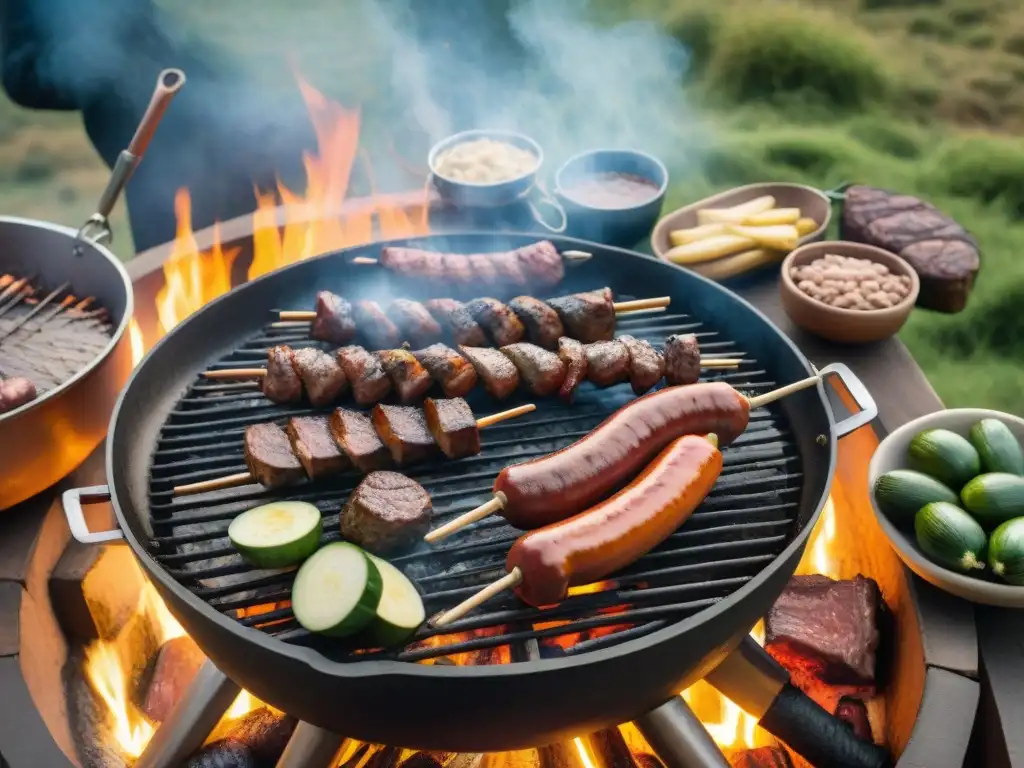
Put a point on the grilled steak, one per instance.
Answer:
(15, 392)
(542, 370)
(281, 382)
(321, 375)
(374, 325)
(498, 320)
(682, 359)
(448, 368)
(453, 426)
(386, 512)
(354, 433)
(405, 433)
(414, 322)
(646, 365)
(543, 327)
(571, 353)
(456, 319)
(607, 362)
(588, 317)
(410, 379)
(268, 454)
(334, 319)
(542, 263)
(314, 446)
(365, 373)
(500, 377)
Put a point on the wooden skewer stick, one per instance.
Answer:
(510, 580)
(244, 478)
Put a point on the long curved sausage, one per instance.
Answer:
(553, 487)
(595, 543)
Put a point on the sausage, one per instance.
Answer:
(553, 487)
(593, 544)
(15, 392)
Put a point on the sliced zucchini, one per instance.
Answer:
(277, 535)
(994, 498)
(999, 449)
(1006, 551)
(945, 456)
(336, 591)
(950, 537)
(902, 492)
(400, 611)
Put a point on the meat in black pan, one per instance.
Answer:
(543, 326)
(498, 320)
(509, 268)
(607, 362)
(484, 269)
(682, 359)
(409, 379)
(268, 455)
(455, 318)
(334, 321)
(413, 262)
(571, 353)
(386, 512)
(588, 317)
(646, 365)
(354, 434)
(281, 382)
(499, 375)
(414, 322)
(541, 369)
(363, 369)
(321, 375)
(453, 426)
(314, 446)
(541, 263)
(448, 368)
(404, 431)
(375, 326)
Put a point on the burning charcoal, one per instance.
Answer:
(762, 757)
(265, 733)
(281, 382)
(645, 760)
(827, 629)
(854, 713)
(268, 454)
(386, 511)
(334, 322)
(404, 430)
(176, 664)
(322, 377)
(386, 757)
(223, 754)
(609, 749)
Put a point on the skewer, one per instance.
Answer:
(567, 255)
(510, 580)
(497, 503)
(36, 310)
(244, 478)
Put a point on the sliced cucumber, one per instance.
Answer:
(945, 456)
(999, 449)
(336, 591)
(994, 498)
(902, 492)
(400, 611)
(1006, 551)
(277, 535)
(950, 536)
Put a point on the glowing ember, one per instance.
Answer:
(584, 754)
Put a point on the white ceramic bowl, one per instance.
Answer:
(892, 454)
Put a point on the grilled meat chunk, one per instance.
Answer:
(509, 268)
(483, 266)
(414, 322)
(587, 317)
(365, 373)
(334, 319)
(498, 320)
(682, 359)
(15, 392)
(457, 268)
(410, 379)
(268, 454)
(374, 325)
(321, 375)
(499, 375)
(457, 320)
(405, 433)
(542, 263)
(413, 262)
(386, 512)
(542, 370)
(607, 362)
(543, 326)
(571, 353)
(453, 426)
(282, 383)
(354, 433)
(314, 446)
(448, 368)
(646, 365)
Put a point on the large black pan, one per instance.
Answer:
(481, 708)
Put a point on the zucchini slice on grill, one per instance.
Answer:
(277, 535)
(336, 591)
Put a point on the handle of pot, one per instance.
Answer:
(868, 409)
(73, 499)
(545, 198)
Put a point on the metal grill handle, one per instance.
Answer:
(868, 409)
(73, 499)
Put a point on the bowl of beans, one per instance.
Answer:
(848, 292)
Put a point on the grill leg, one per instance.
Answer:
(310, 747)
(198, 712)
(679, 738)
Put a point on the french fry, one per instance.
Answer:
(738, 264)
(773, 216)
(693, 234)
(737, 213)
(782, 237)
(708, 249)
(805, 226)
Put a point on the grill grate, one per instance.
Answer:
(739, 529)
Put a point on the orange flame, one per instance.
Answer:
(107, 677)
(137, 341)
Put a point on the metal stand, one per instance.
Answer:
(679, 738)
(749, 677)
(311, 747)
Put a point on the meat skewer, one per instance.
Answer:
(320, 446)
(550, 488)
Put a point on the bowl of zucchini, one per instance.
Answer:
(948, 490)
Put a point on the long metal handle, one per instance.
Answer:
(868, 409)
(73, 499)
(679, 738)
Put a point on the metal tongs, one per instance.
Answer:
(96, 229)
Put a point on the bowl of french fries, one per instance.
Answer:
(742, 230)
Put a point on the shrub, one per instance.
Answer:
(980, 39)
(815, 155)
(1014, 44)
(734, 164)
(696, 28)
(931, 26)
(968, 15)
(988, 169)
(885, 135)
(874, 5)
